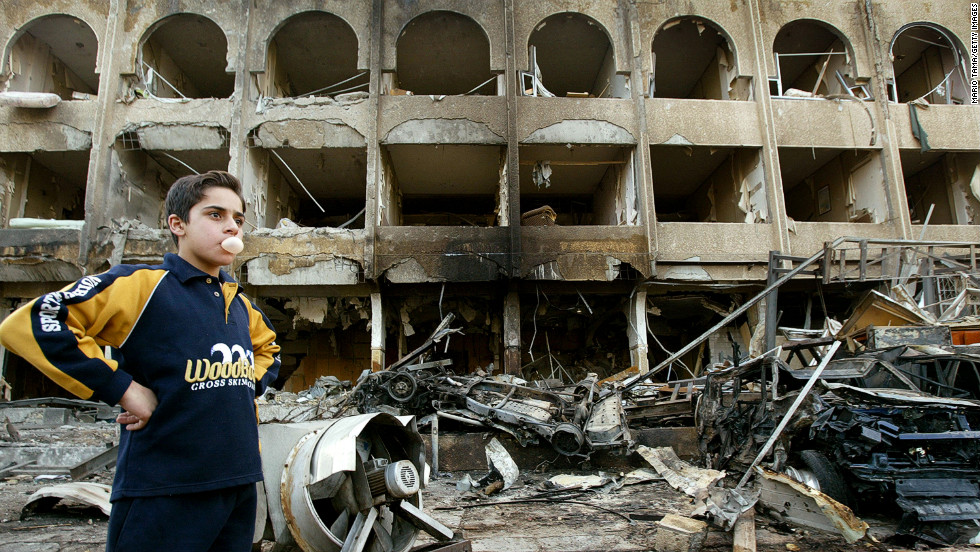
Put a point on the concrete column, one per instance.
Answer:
(891, 162)
(512, 333)
(643, 174)
(763, 101)
(377, 333)
(513, 181)
(100, 158)
(636, 331)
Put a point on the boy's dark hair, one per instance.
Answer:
(188, 190)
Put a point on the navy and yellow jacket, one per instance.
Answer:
(195, 340)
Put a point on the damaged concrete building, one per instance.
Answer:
(587, 185)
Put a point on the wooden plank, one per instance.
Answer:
(864, 260)
(743, 539)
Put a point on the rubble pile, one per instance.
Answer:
(879, 409)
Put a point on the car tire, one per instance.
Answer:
(827, 475)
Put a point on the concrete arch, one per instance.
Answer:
(954, 67)
(449, 66)
(442, 131)
(572, 130)
(680, 57)
(334, 62)
(550, 37)
(154, 28)
(87, 37)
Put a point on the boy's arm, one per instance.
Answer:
(264, 347)
(62, 333)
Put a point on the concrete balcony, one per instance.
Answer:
(449, 120)
(210, 111)
(825, 123)
(40, 255)
(65, 127)
(584, 253)
(414, 254)
(714, 242)
(707, 122)
(809, 237)
(576, 121)
(950, 127)
(309, 122)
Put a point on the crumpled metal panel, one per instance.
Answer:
(91, 494)
(807, 506)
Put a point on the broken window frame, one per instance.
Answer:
(959, 63)
(856, 90)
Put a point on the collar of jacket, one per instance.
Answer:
(185, 271)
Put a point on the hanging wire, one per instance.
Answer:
(481, 85)
(298, 181)
(325, 88)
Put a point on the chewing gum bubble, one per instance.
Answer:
(233, 245)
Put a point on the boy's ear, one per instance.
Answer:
(176, 225)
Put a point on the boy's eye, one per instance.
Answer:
(240, 221)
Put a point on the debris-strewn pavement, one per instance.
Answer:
(543, 525)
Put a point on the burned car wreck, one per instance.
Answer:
(865, 435)
(573, 419)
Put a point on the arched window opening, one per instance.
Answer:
(570, 55)
(937, 186)
(928, 64)
(693, 59)
(55, 54)
(313, 54)
(185, 57)
(443, 52)
(814, 60)
(833, 185)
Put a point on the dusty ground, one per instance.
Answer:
(596, 524)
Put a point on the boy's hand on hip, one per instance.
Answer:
(139, 403)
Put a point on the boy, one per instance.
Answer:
(190, 354)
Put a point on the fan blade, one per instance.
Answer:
(326, 488)
(382, 538)
(360, 532)
(339, 527)
(424, 521)
(344, 499)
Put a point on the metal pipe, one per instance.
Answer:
(789, 414)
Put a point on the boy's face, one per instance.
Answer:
(215, 218)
